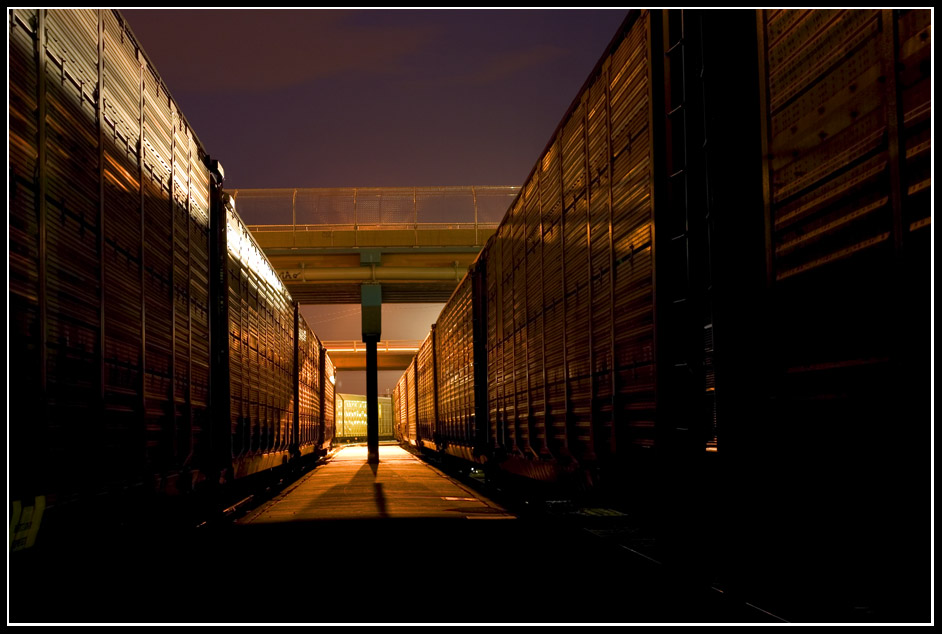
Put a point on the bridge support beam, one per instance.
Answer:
(371, 311)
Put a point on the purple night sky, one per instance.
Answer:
(332, 98)
(342, 98)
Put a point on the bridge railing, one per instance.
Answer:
(428, 234)
(421, 226)
(373, 207)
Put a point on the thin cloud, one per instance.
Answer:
(263, 50)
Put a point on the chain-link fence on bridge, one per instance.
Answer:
(279, 209)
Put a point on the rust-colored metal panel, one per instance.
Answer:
(828, 113)
(26, 289)
(495, 366)
(834, 200)
(481, 450)
(632, 237)
(569, 282)
(158, 272)
(552, 311)
(310, 424)
(914, 63)
(158, 307)
(262, 383)
(426, 424)
(518, 293)
(534, 278)
(329, 405)
(507, 342)
(98, 223)
(110, 273)
(122, 260)
(577, 298)
(600, 259)
(397, 411)
(70, 215)
(411, 403)
(198, 275)
(454, 356)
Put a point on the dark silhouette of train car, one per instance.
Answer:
(706, 298)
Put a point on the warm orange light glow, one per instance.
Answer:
(381, 346)
(919, 224)
(379, 350)
(119, 169)
(114, 181)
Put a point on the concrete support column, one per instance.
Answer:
(371, 304)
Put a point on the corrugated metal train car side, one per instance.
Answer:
(602, 333)
(27, 280)
(260, 315)
(576, 247)
(568, 287)
(398, 404)
(119, 287)
(311, 431)
(109, 230)
(426, 421)
(404, 405)
(328, 405)
(846, 138)
(456, 433)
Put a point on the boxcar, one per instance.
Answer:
(674, 202)
(315, 371)
(109, 265)
(156, 350)
(706, 296)
(405, 404)
(426, 421)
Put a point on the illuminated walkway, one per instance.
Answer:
(400, 486)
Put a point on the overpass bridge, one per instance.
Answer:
(415, 242)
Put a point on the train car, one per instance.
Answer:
(406, 406)
(397, 412)
(847, 139)
(846, 122)
(328, 404)
(268, 363)
(426, 421)
(314, 430)
(157, 352)
(563, 380)
(351, 418)
(259, 365)
(586, 354)
(109, 267)
(457, 430)
(705, 298)
(400, 396)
